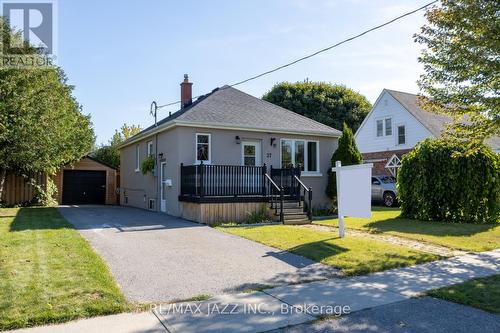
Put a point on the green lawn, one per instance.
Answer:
(353, 255)
(49, 273)
(469, 237)
(482, 293)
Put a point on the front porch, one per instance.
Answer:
(232, 193)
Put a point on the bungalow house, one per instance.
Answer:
(228, 155)
(394, 126)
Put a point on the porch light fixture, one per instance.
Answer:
(238, 140)
(272, 141)
(160, 155)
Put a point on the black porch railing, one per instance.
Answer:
(220, 182)
(205, 180)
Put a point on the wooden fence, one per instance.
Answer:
(18, 189)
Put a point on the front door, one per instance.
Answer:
(250, 153)
(163, 185)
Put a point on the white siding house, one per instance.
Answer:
(388, 112)
(395, 125)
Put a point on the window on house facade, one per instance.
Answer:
(203, 148)
(312, 156)
(137, 157)
(401, 134)
(388, 126)
(380, 128)
(300, 153)
(150, 148)
(384, 127)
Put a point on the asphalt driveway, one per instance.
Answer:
(157, 258)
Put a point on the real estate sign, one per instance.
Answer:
(353, 191)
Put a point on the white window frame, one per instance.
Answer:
(150, 148)
(209, 148)
(306, 152)
(397, 134)
(384, 128)
(376, 128)
(137, 158)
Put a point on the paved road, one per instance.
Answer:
(157, 258)
(422, 315)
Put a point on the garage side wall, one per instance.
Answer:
(91, 165)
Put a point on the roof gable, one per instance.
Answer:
(434, 122)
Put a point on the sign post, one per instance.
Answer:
(353, 192)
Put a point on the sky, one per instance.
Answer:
(122, 55)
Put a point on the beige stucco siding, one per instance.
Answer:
(178, 146)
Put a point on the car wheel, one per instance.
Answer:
(389, 199)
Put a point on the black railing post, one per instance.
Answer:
(309, 205)
(264, 171)
(202, 190)
(282, 203)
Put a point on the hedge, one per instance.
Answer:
(447, 181)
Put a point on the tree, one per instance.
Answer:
(109, 153)
(461, 63)
(329, 104)
(41, 124)
(439, 181)
(348, 154)
(126, 132)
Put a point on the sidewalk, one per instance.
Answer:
(291, 305)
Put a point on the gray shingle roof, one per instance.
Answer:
(230, 107)
(434, 122)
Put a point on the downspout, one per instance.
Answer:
(153, 111)
(158, 183)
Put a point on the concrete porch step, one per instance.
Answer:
(296, 221)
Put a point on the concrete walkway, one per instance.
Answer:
(295, 304)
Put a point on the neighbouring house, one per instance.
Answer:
(394, 126)
(87, 181)
(228, 155)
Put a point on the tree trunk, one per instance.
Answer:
(3, 175)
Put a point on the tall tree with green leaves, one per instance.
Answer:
(462, 65)
(41, 124)
(328, 104)
(348, 154)
(109, 153)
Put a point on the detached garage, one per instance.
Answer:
(87, 182)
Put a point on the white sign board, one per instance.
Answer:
(354, 187)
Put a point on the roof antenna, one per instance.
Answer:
(153, 110)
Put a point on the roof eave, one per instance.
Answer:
(173, 123)
(335, 134)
